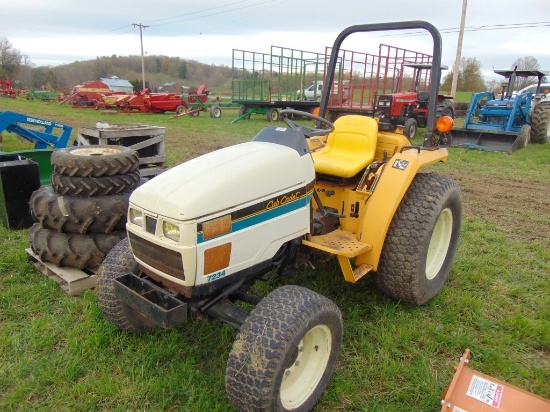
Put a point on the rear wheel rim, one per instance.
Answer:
(439, 243)
(96, 151)
(306, 367)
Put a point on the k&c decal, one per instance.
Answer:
(400, 164)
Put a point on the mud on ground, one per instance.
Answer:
(519, 208)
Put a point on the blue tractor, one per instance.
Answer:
(507, 122)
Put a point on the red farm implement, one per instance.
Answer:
(147, 102)
(6, 90)
(89, 95)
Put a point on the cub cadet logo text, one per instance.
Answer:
(42, 122)
(215, 276)
(283, 200)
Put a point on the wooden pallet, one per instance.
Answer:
(72, 280)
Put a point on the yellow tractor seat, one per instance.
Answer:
(350, 147)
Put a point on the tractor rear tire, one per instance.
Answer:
(70, 249)
(95, 161)
(285, 352)
(118, 262)
(445, 108)
(410, 128)
(540, 123)
(422, 239)
(95, 186)
(100, 214)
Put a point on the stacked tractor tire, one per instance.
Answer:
(82, 215)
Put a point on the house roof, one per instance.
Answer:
(116, 82)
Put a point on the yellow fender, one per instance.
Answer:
(381, 206)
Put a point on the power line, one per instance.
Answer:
(214, 14)
(193, 18)
(240, 19)
(480, 28)
(125, 27)
(197, 12)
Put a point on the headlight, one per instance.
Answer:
(136, 217)
(171, 231)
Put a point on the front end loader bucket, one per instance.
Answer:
(495, 141)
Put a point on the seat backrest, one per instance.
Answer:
(423, 97)
(350, 147)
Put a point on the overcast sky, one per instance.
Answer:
(62, 31)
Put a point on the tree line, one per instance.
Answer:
(18, 68)
(470, 78)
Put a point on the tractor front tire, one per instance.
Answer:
(422, 239)
(95, 161)
(285, 353)
(410, 128)
(524, 136)
(540, 123)
(120, 261)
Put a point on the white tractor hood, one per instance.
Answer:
(224, 179)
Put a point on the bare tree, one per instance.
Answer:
(24, 74)
(525, 63)
(494, 85)
(10, 59)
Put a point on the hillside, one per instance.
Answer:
(158, 71)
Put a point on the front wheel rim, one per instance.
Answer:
(439, 243)
(306, 368)
(413, 132)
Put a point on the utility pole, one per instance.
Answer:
(141, 27)
(459, 48)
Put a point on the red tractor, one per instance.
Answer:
(409, 110)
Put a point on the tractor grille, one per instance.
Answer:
(150, 224)
(383, 105)
(166, 260)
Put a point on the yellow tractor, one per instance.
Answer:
(201, 233)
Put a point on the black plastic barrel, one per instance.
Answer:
(19, 178)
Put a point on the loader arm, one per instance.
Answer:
(53, 135)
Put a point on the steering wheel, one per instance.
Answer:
(306, 130)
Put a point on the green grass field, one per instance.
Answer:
(60, 353)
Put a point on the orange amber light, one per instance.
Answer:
(444, 124)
